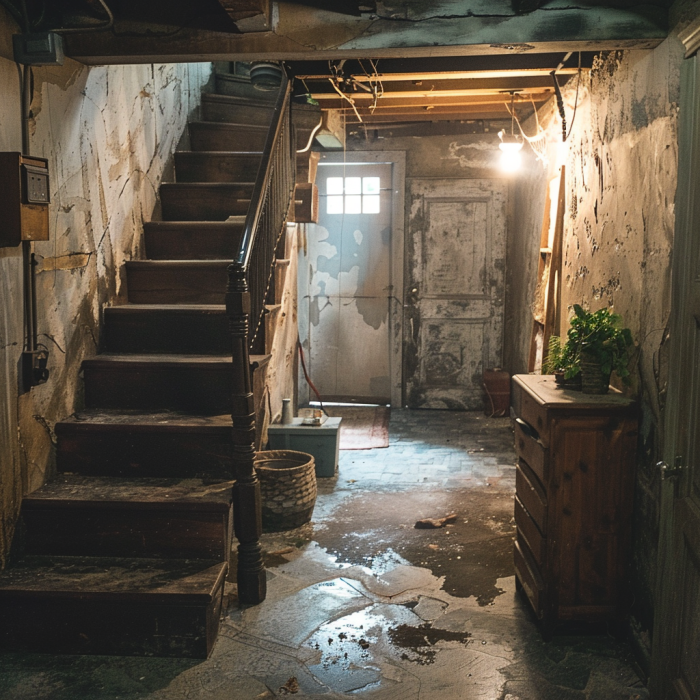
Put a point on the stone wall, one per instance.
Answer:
(621, 168)
(108, 133)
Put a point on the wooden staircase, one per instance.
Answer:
(127, 551)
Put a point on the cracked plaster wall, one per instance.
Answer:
(108, 133)
(621, 169)
(465, 155)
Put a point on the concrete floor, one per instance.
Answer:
(361, 603)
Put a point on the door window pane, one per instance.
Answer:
(370, 204)
(334, 185)
(361, 195)
(353, 204)
(334, 204)
(370, 185)
(353, 185)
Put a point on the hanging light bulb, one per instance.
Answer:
(511, 144)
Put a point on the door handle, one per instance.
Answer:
(412, 295)
(527, 429)
(668, 472)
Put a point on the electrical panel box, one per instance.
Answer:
(38, 49)
(24, 199)
(305, 203)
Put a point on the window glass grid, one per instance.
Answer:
(352, 195)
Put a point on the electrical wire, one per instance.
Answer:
(14, 12)
(578, 84)
(94, 28)
(307, 377)
(311, 138)
(345, 97)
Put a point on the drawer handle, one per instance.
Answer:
(527, 429)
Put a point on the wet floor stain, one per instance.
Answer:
(420, 642)
(375, 529)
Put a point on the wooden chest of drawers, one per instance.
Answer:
(573, 502)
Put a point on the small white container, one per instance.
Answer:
(287, 414)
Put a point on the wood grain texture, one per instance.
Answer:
(230, 108)
(227, 136)
(217, 166)
(147, 328)
(574, 515)
(151, 518)
(193, 240)
(98, 605)
(176, 281)
(204, 201)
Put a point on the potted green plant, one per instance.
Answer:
(563, 362)
(602, 346)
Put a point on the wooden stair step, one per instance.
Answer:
(103, 605)
(217, 166)
(76, 515)
(229, 84)
(161, 328)
(191, 383)
(227, 136)
(193, 240)
(231, 108)
(136, 444)
(204, 201)
(177, 281)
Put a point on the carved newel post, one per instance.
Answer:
(247, 520)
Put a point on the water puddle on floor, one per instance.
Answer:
(354, 647)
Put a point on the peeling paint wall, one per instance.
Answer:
(108, 133)
(280, 379)
(621, 162)
(454, 156)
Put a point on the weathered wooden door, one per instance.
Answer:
(676, 647)
(454, 290)
(350, 283)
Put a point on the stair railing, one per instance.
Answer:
(249, 278)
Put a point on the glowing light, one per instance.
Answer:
(510, 146)
(511, 161)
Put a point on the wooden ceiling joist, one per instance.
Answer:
(430, 101)
(430, 116)
(452, 75)
(446, 87)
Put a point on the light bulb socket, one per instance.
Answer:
(509, 142)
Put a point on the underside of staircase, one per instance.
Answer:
(127, 551)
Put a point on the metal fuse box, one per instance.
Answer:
(38, 49)
(24, 199)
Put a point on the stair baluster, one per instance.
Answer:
(249, 280)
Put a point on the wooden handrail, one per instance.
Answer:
(248, 285)
(257, 199)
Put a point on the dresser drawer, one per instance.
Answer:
(531, 411)
(531, 494)
(529, 577)
(529, 531)
(532, 451)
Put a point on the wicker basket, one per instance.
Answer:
(288, 488)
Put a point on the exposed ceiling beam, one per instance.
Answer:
(450, 75)
(323, 88)
(303, 33)
(408, 100)
(249, 15)
(464, 116)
